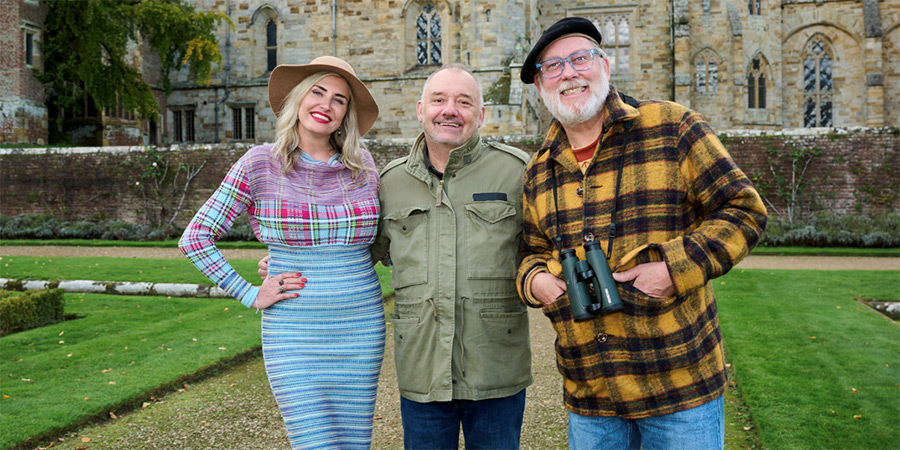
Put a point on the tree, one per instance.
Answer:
(88, 43)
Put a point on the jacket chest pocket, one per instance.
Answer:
(493, 230)
(408, 232)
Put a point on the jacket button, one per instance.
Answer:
(579, 192)
(588, 237)
(602, 337)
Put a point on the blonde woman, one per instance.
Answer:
(312, 198)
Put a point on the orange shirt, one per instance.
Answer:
(584, 154)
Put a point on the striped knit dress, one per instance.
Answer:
(323, 349)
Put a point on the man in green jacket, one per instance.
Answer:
(451, 225)
(650, 182)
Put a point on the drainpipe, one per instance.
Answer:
(333, 27)
(227, 68)
(672, 44)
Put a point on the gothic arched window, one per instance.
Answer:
(264, 28)
(707, 67)
(616, 31)
(271, 45)
(756, 83)
(818, 83)
(428, 36)
(754, 7)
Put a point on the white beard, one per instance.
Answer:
(577, 114)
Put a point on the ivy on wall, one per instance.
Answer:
(788, 180)
(165, 182)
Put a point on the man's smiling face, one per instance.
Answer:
(574, 97)
(450, 109)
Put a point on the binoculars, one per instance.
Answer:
(589, 282)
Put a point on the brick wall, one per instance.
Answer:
(855, 171)
(23, 115)
(849, 172)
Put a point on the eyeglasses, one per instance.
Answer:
(580, 61)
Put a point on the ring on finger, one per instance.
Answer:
(281, 282)
(281, 289)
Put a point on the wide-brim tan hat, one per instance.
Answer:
(286, 76)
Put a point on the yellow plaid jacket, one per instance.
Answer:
(682, 200)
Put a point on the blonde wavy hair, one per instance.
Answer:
(287, 138)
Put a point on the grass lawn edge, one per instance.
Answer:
(171, 243)
(136, 402)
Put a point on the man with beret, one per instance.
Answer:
(651, 182)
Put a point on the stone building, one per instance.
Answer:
(756, 64)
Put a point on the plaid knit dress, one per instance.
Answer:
(323, 349)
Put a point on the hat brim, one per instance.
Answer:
(285, 77)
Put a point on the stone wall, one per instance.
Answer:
(855, 171)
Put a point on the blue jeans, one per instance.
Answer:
(487, 424)
(701, 427)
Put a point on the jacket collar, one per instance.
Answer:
(459, 157)
(557, 143)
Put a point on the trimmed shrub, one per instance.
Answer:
(240, 231)
(27, 226)
(823, 229)
(80, 230)
(42, 226)
(20, 311)
(119, 230)
(827, 229)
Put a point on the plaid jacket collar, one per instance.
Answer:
(557, 143)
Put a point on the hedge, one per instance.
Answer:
(20, 311)
(823, 229)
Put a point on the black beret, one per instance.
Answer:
(569, 25)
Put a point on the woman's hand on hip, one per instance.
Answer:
(276, 289)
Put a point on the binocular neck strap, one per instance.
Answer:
(612, 222)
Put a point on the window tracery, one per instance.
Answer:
(818, 83)
(707, 68)
(428, 36)
(756, 83)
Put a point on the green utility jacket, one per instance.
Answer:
(460, 329)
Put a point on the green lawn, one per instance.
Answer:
(122, 350)
(172, 243)
(115, 269)
(816, 368)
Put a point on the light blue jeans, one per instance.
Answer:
(701, 427)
